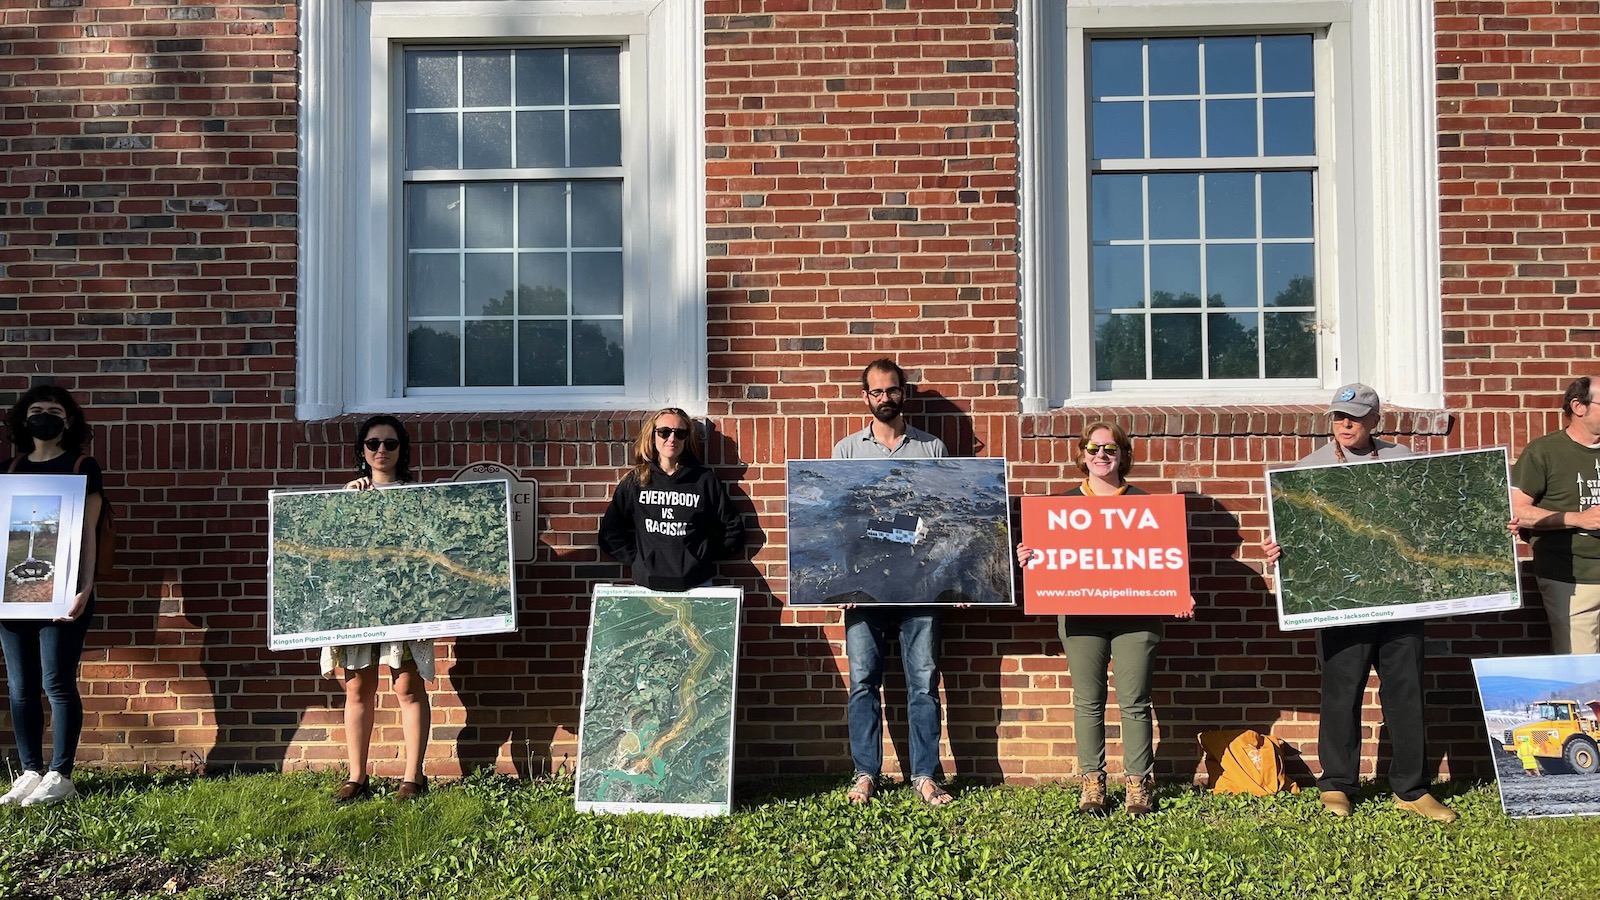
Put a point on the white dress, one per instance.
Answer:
(391, 653)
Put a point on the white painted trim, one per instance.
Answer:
(1405, 229)
(1041, 125)
(326, 202)
(1378, 252)
(350, 337)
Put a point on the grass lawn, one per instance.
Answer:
(261, 836)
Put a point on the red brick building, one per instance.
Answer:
(231, 230)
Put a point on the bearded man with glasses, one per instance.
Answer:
(867, 630)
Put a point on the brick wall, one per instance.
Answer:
(861, 201)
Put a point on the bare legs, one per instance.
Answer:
(361, 706)
(415, 717)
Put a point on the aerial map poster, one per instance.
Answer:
(656, 734)
(44, 525)
(1405, 538)
(1543, 718)
(896, 532)
(409, 562)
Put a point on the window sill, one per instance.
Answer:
(1227, 421)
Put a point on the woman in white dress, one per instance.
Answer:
(384, 449)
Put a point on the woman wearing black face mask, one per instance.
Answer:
(48, 430)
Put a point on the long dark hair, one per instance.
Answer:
(402, 470)
(644, 446)
(73, 437)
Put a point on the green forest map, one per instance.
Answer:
(1399, 532)
(430, 553)
(657, 723)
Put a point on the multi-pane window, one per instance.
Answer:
(513, 272)
(1202, 220)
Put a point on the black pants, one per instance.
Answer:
(1348, 653)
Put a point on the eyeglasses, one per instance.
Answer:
(880, 393)
(390, 444)
(664, 432)
(1107, 449)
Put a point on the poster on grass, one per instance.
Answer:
(1408, 538)
(1543, 718)
(44, 522)
(899, 532)
(409, 562)
(1121, 555)
(656, 730)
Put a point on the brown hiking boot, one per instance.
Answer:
(1427, 807)
(1093, 798)
(1336, 802)
(1140, 797)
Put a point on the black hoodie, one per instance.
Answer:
(673, 530)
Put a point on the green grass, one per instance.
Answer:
(268, 836)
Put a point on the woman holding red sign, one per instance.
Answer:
(1127, 643)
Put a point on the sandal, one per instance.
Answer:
(860, 794)
(351, 791)
(930, 792)
(411, 790)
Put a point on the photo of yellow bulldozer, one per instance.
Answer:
(1563, 733)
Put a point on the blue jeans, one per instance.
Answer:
(42, 658)
(866, 636)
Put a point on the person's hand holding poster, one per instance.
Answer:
(1123, 555)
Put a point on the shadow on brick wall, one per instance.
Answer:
(1230, 667)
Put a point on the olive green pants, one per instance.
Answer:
(1128, 644)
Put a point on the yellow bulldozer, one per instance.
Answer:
(1561, 731)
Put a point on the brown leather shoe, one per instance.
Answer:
(351, 791)
(1336, 802)
(411, 790)
(1140, 798)
(1093, 798)
(1428, 808)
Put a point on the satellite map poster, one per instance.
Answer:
(1122, 555)
(413, 561)
(1541, 714)
(44, 521)
(896, 532)
(1407, 538)
(656, 733)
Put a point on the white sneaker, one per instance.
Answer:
(21, 788)
(54, 788)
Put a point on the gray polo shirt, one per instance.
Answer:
(1324, 455)
(916, 444)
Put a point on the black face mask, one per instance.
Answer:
(46, 427)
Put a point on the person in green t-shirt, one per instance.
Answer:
(1555, 500)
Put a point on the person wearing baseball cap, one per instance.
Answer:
(1349, 652)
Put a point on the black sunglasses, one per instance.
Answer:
(373, 444)
(664, 432)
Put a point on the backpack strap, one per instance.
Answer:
(76, 466)
(15, 461)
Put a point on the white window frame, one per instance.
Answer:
(1378, 286)
(351, 339)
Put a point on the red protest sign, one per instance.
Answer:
(1122, 555)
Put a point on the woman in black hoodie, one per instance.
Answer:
(670, 518)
